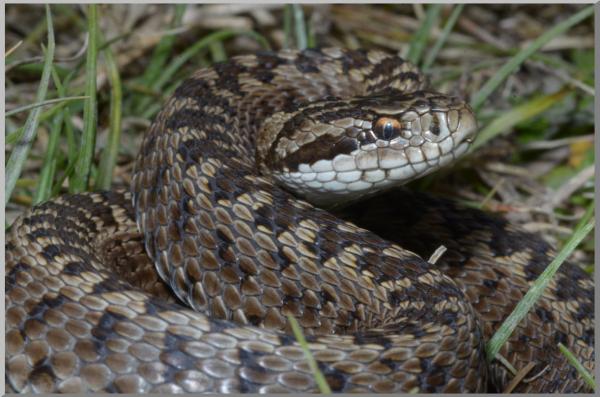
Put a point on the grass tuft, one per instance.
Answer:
(516, 61)
(21, 150)
(159, 58)
(421, 37)
(504, 123)
(432, 54)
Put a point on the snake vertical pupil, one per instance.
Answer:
(386, 128)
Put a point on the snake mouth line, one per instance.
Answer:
(374, 169)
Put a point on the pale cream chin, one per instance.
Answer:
(324, 184)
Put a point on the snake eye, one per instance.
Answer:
(387, 128)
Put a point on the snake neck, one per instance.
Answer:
(224, 108)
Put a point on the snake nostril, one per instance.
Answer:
(435, 127)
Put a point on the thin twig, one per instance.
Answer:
(564, 77)
(13, 49)
(518, 377)
(437, 254)
(556, 143)
(39, 58)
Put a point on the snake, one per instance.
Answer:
(251, 209)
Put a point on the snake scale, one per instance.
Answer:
(87, 309)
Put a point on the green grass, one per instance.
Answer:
(43, 103)
(160, 56)
(585, 375)
(19, 153)
(319, 378)
(13, 137)
(79, 167)
(44, 188)
(526, 303)
(432, 54)
(111, 151)
(296, 32)
(300, 27)
(70, 153)
(504, 123)
(492, 84)
(421, 37)
(83, 168)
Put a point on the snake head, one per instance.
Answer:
(338, 150)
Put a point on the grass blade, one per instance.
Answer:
(163, 49)
(43, 103)
(419, 40)
(217, 51)
(44, 187)
(585, 375)
(16, 135)
(443, 37)
(12, 49)
(493, 83)
(301, 36)
(506, 329)
(287, 26)
(319, 378)
(19, 154)
(109, 155)
(84, 162)
(159, 58)
(527, 110)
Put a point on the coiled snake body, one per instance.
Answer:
(87, 311)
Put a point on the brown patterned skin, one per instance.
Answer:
(495, 263)
(86, 311)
